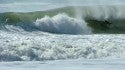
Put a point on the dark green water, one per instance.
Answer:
(111, 25)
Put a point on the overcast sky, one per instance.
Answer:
(62, 1)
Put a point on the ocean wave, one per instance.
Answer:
(58, 24)
(101, 19)
(62, 24)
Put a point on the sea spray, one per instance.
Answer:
(63, 24)
(79, 14)
(90, 16)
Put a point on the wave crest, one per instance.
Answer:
(62, 24)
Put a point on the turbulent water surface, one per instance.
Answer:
(37, 36)
(19, 45)
(62, 34)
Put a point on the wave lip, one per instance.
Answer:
(62, 24)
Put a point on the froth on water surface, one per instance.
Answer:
(62, 24)
(25, 46)
(49, 35)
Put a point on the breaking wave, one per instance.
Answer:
(29, 36)
(58, 24)
(62, 24)
(89, 19)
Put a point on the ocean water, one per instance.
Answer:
(37, 46)
(78, 64)
(68, 34)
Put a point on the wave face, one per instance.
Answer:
(79, 19)
(58, 24)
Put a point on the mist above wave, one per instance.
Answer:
(79, 19)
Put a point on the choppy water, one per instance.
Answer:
(21, 45)
(61, 33)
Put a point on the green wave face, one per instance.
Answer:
(107, 26)
(101, 19)
(14, 17)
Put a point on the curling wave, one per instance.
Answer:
(23, 37)
(58, 24)
(62, 24)
(100, 18)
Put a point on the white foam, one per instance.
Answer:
(62, 23)
(44, 46)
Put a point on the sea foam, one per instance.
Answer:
(63, 24)
(26, 46)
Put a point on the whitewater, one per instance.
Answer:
(58, 37)
(62, 35)
(25, 46)
(59, 42)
